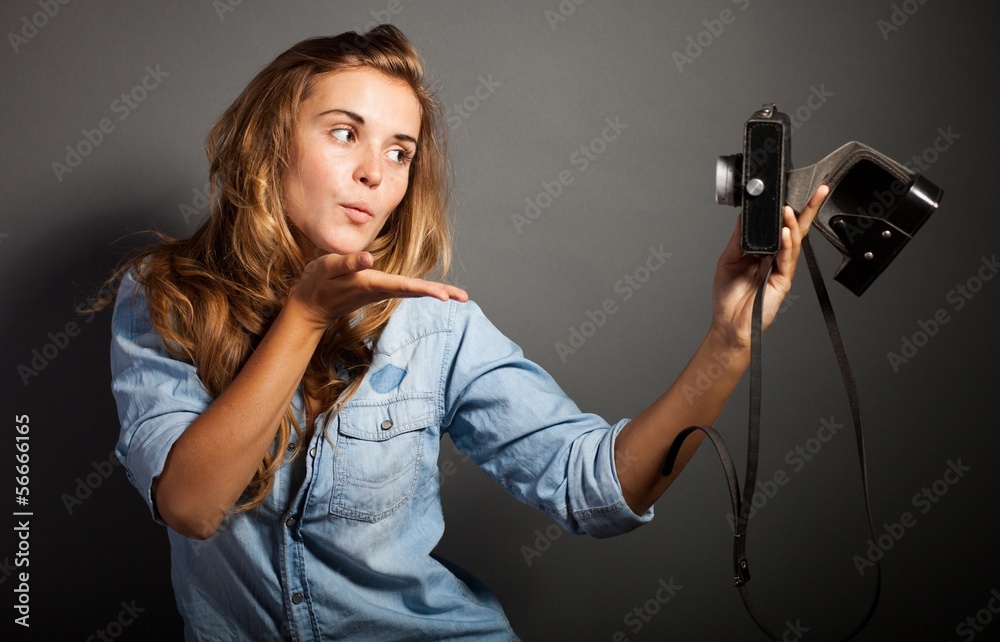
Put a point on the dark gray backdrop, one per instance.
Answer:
(528, 84)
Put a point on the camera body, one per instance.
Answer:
(874, 207)
(755, 180)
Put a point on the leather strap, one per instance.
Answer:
(742, 505)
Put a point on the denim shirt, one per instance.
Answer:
(342, 546)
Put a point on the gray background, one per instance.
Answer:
(652, 186)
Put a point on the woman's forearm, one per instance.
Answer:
(695, 398)
(704, 386)
(213, 461)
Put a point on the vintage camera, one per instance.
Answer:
(874, 207)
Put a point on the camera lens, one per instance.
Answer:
(728, 175)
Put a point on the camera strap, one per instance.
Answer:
(742, 505)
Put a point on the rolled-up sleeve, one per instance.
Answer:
(158, 395)
(517, 424)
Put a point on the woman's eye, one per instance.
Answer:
(399, 156)
(343, 134)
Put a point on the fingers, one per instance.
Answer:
(441, 291)
(334, 265)
(791, 242)
(805, 219)
(456, 293)
(795, 228)
(388, 286)
(335, 285)
(733, 253)
(331, 266)
(359, 261)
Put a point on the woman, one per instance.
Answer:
(284, 376)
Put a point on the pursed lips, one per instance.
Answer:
(357, 211)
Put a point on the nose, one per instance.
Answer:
(369, 169)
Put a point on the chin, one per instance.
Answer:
(342, 246)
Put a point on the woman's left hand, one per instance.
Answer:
(644, 442)
(738, 276)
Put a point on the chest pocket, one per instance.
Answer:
(379, 449)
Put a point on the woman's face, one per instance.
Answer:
(355, 136)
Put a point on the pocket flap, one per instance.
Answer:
(378, 420)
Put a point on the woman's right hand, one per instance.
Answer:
(197, 487)
(336, 284)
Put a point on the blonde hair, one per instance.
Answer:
(213, 296)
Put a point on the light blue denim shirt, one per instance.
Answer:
(342, 546)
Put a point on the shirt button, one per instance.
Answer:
(312, 452)
(291, 445)
(387, 424)
(290, 521)
(297, 598)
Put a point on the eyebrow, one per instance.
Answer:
(359, 119)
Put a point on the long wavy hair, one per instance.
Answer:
(213, 296)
